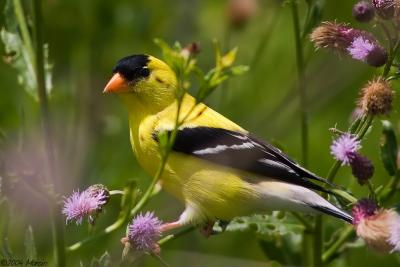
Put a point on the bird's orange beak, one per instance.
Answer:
(116, 84)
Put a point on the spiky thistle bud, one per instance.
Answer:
(376, 97)
(192, 49)
(363, 11)
(360, 45)
(384, 8)
(361, 167)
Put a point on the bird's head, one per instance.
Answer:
(147, 79)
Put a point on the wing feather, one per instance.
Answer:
(243, 152)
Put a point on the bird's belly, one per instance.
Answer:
(215, 192)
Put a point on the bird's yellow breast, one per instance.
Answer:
(210, 187)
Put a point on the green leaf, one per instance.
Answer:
(30, 248)
(103, 261)
(266, 225)
(388, 148)
(228, 59)
(239, 70)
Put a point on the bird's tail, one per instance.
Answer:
(333, 211)
(320, 204)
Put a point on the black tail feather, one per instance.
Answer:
(335, 213)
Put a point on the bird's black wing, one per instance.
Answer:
(243, 152)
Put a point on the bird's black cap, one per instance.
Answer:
(133, 67)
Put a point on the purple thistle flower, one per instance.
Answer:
(80, 204)
(144, 231)
(365, 49)
(360, 48)
(344, 148)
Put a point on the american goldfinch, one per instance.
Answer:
(216, 168)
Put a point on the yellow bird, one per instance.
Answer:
(216, 168)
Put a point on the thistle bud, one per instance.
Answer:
(100, 192)
(384, 8)
(376, 97)
(336, 36)
(363, 11)
(361, 168)
(240, 11)
(191, 49)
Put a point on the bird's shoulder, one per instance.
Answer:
(193, 115)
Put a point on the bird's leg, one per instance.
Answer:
(170, 226)
(186, 218)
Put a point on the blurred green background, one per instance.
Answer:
(86, 38)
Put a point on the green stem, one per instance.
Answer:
(301, 82)
(176, 235)
(57, 223)
(391, 57)
(311, 249)
(116, 225)
(307, 225)
(23, 26)
(347, 232)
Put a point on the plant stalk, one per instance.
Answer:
(301, 82)
(52, 177)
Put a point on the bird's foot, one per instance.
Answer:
(207, 229)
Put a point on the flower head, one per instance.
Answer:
(376, 97)
(360, 45)
(379, 228)
(344, 148)
(143, 232)
(384, 8)
(361, 167)
(365, 49)
(363, 11)
(81, 204)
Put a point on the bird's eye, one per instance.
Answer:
(144, 72)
